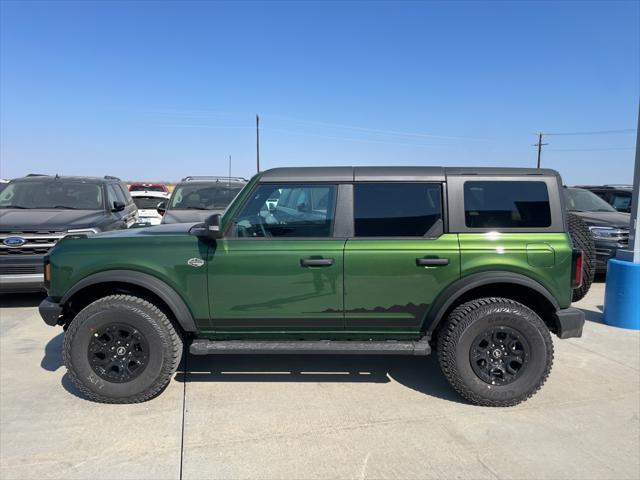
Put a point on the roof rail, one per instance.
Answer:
(212, 177)
(109, 177)
(37, 175)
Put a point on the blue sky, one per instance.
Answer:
(160, 90)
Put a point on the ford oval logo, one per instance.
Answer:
(14, 241)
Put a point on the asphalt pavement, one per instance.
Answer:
(319, 417)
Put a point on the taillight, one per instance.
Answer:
(576, 268)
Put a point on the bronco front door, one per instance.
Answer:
(279, 267)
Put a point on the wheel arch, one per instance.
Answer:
(108, 282)
(494, 284)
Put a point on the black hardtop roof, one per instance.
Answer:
(53, 178)
(399, 174)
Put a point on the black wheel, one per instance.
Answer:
(582, 240)
(495, 352)
(121, 349)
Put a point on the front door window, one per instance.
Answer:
(274, 211)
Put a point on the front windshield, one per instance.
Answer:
(580, 200)
(147, 203)
(203, 197)
(52, 194)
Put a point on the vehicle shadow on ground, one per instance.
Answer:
(52, 361)
(593, 315)
(18, 300)
(418, 373)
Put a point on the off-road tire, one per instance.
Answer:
(471, 319)
(582, 239)
(163, 342)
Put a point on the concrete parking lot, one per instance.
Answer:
(319, 417)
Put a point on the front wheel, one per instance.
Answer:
(121, 349)
(495, 352)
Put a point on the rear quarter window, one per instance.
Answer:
(506, 204)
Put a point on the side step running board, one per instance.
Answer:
(311, 347)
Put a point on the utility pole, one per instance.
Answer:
(229, 183)
(539, 145)
(257, 143)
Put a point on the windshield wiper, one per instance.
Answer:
(16, 206)
(192, 208)
(66, 207)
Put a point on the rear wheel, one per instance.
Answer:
(582, 240)
(495, 352)
(121, 349)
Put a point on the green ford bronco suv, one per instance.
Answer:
(475, 263)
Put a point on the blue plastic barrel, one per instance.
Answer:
(622, 295)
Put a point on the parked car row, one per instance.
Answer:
(609, 227)
(36, 211)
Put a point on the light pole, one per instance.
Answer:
(622, 292)
(634, 235)
(257, 143)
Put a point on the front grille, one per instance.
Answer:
(624, 238)
(38, 242)
(20, 269)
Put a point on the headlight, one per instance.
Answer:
(607, 233)
(82, 232)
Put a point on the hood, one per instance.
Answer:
(17, 220)
(173, 229)
(194, 216)
(606, 219)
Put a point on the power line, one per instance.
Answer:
(598, 132)
(539, 144)
(376, 131)
(605, 149)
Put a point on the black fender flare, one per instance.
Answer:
(166, 293)
(449, 295)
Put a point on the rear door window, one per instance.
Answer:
(397, 209)
(506, 204)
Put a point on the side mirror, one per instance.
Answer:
(161, 208)
(117, 206)
(209, 229)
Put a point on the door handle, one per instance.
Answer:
(316, 262)
(432, 262)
